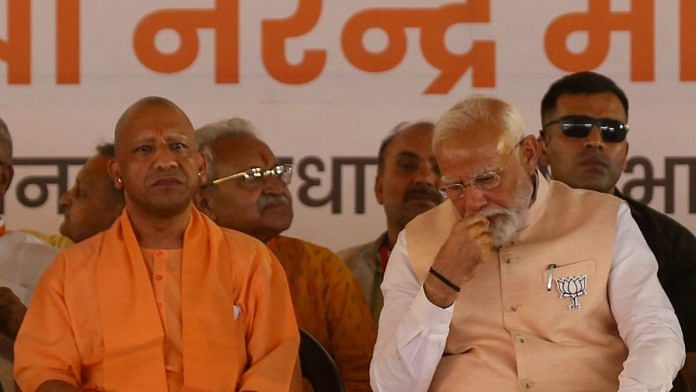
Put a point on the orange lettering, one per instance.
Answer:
(687, 44)
(68, 42)
(16, 49)
(480, 58)
(276, 32)
(433, 24)
(224, 19)
(599, 22)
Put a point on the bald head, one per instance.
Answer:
(157, 163)
(134, 112)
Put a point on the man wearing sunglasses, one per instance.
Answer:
(248, 191)
(583, 141)
(517, 282)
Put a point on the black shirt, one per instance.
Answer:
(674, 247)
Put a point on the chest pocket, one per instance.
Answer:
(574, 282)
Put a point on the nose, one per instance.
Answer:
(65, 200)
(474, 199)
(425, 175)
(594, 139)
(165, 159)
(273, 184)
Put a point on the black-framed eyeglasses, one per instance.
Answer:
(612, 131)
(255, 176)
(484, 181)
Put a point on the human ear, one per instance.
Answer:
(115, 173)
(378, 189)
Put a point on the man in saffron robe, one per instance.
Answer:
(249, 193)
(164, 300)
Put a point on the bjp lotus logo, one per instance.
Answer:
(572, 287)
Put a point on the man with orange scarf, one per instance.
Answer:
(165, 300)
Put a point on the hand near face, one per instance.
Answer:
(11, 313)
(468, 245)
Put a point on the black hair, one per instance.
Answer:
(586, 82)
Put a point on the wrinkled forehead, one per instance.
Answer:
(242, 153)
(462, 157)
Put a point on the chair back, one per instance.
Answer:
(681, 384)
(317, 365)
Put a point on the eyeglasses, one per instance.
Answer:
(485, 181)
(256, 176)
(612, 131)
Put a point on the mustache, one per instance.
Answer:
(267, 200)
(494, 211)
(420, 190)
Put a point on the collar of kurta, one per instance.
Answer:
(134, 338)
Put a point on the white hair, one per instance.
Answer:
(207, 135)
(478, 109)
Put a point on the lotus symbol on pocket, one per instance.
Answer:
(572, 287)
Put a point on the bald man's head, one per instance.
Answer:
(157, 163)
(144, 104)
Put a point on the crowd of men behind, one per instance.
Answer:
(509, 261)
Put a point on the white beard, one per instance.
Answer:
(506, 222)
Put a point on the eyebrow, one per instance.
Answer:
(408, 154)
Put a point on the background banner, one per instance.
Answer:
(325, 81)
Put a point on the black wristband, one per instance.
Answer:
(444, 280)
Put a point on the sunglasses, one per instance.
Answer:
(612, 131)
(256, 176)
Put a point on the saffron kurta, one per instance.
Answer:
(94, 320)
(330, 306)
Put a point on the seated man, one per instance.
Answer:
(405, 186)
(581, 156)
(22, 260)
(517, 282)
(91, 205)
(249, 193)
(164, 300)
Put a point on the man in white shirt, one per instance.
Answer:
(517, 282)
(22, 260)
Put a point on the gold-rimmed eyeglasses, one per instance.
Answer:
(255, 176)
(484, 181)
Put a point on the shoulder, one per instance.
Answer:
(660, 229)
(561, 190)
(83, 252)
(309, 251)
(355, 251)
(27, 246)
(443, 215)
(55, 240)
(657, 218)
(362, 253)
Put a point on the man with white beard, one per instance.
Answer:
(517, 282)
